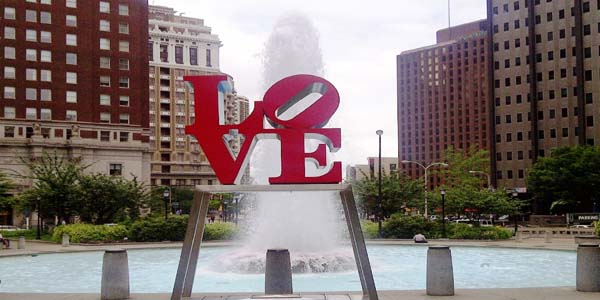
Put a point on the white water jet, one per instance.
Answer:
(308, 224)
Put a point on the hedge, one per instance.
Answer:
(88, 233)
(173, 229)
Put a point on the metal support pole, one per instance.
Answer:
(379, 200)
(443, 215)
(426, 188)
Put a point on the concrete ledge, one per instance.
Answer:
(554, 293)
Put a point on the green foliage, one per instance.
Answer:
(464, 231)
(597, 228)
(88, 233)
(568, 180)
(405, 227)
(485, 201)
(370, 229)
(460, 162)
(397, 191)
(156, 229)
(6, 201)
(28, 234)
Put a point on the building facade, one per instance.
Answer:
(179, 46)
(443, 97)
(358, 172)
(544, 81)
(73, 81)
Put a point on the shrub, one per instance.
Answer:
(88, 233)
(370, 229)
(158, 229)
(464, 231)
(597, 228)
(405, 227)
(15, 234)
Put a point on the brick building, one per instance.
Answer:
(74, 80)
(443, 97)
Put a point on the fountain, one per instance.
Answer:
(306, 223)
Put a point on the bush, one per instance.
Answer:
(369, 229)
(88, 233)
(15, 234)
(157, 229)
(405, 227)
(464, 231)
(597, 228)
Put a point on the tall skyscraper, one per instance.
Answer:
(443, 98)
(546, 67)
(74, 75)
(180, 46)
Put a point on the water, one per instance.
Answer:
(395, 268)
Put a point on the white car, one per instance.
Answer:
(580, 226)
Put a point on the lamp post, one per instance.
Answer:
(380, 213)
(515, 194)
(167, 199)
(489, 179)
(39, 219)
(443, 193)
(425, 168)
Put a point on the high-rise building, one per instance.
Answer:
(73, 82)
(546, 67)
(180, 46)
(358, 172)
(443, 97)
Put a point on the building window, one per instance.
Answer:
(164, 53)
(104, 25)
(124, 46)
(71, 97)
(194, 56)
(9, 72)
(208, 58)
(590, 121)
(104, 7)
(46, 75)
(105, 136)
(71, 58)
(45, 95)
(45, 17)
(116, 169)
(31, 16)
(71, 3)
(9, 33)
(30, 74)
(10, 13)
(123, 64)
(124, 118)
(123, 136)
(71, 39)
(9, 131)
(45, 56)
(179, 54)
(45, 114)
(30, 113)
(9, 52)
(105, 99)
(104, 44)
(124, 82)
(30, 94)
(104, 117)
(45, 37)
(105, 62)
(124, 100)
(9, 112)
(124, 28)
(71, 115)
(31, 35)
(71, 21)
(123, 9)
(9, 92)
(105, 81)
(150, 51)
(71, 78)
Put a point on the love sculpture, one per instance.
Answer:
(212, 134)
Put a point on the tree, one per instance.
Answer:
(567, 181)
(6, 201)
(398, 192)
(460, 162)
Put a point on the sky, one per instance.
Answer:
(359, 41)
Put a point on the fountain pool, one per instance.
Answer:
(395, 267)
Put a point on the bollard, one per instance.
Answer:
(588, 264)
(115, 275)
(518, 236)
(548, 237)
(21, 244)
(278, 272)
(440, 276)
(65, 240)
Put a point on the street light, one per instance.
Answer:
(167, 199)
(379, 133)
(489, 179)
(441, 164)
(515, 194)
(38, 233)
(443, 193)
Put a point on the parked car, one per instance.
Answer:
(581, 226)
